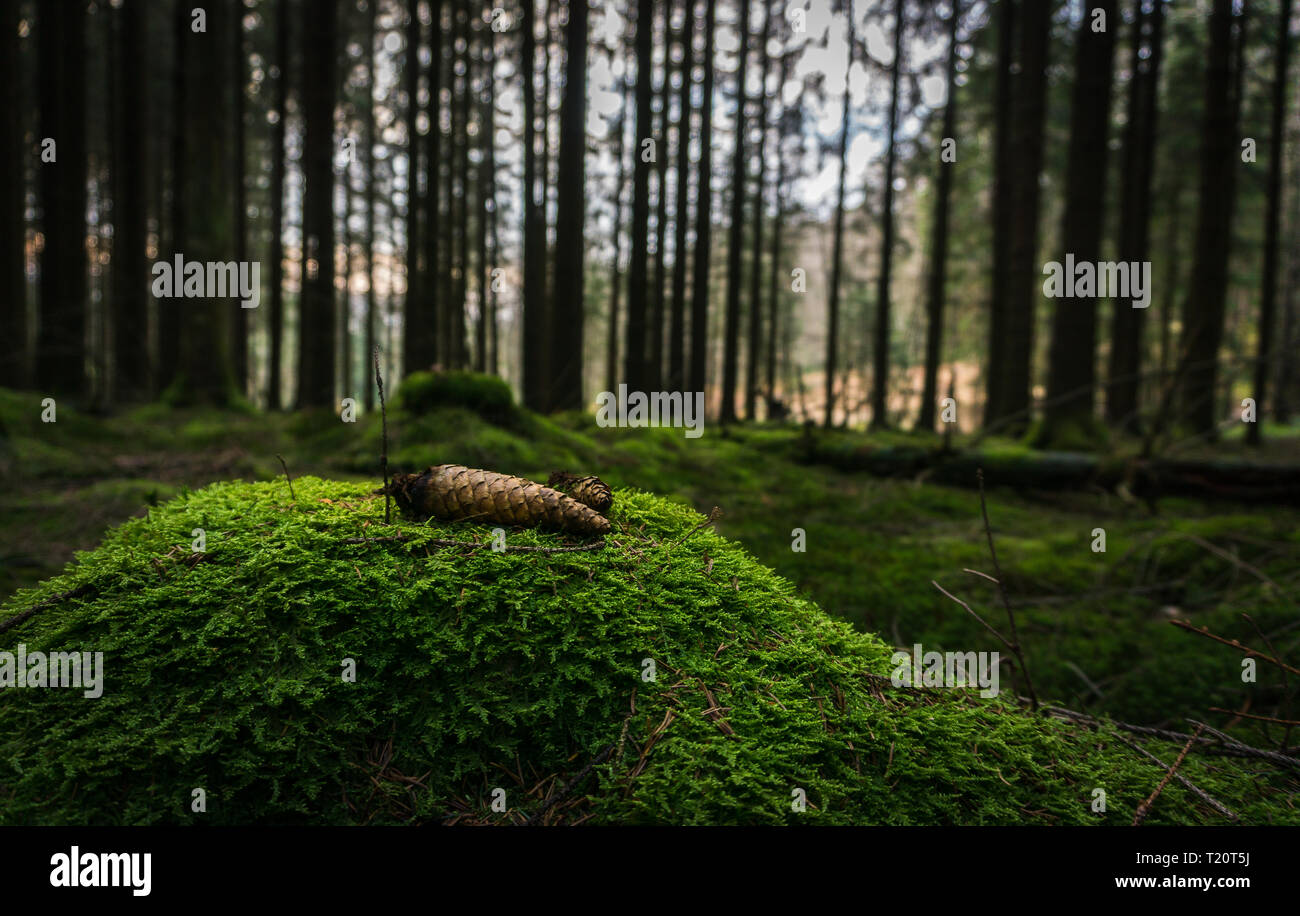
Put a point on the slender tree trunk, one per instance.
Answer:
(61, 328)
(736, 242)
(677, 323)
(1071, 375)
(436, 266)
(937, 279)
(703, 216)
(837, 254)
(456, 308)
(655, 362)
(130, 274)
(1003, 185)
(239, 317)
(570, 212)
(316, 332)
(1024, 274)
(1123, 377)
(275, 318)
(1272, 223)
(418, 328)
(372, 305)
(616, 278)
(483, 179)
(536, 343)
(880, 364)
(636, 371)
(753, 356)
(778, 219)
(1204, 308)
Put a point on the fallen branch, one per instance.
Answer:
(287, 477)
(1145, 808)
(479, 545)
(42, 605)
(1204, 631)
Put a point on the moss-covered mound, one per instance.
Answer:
(489, 396)
(682, 680)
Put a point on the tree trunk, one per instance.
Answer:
(315, 321)
(753, 356)
(677, 323)
(570, 198)
(1205, 305)
(936, 281)
(837, 254)
(456, 308)
(703, 216)
(774, 411)
(616, 278)
(1003, 185)
(880, 362)
(736, 241)
(61, 328)
(655, 361)
(130, 273)
(536, 343)
(1071, 364)
(1123, 382)
(372, 305)
(239, 316)
(418, 328)
(1029, 107)
(636, 365)
(275, 318)
(1272, 223)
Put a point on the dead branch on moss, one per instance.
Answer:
(1145, 808)
(1186, 783)
(1247, 715)
(572, 785)
(42, 605)
(1249, 652)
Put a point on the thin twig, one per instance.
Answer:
(478, 545)
(1144, 808)
(1247, 715)
(287, 477)
(1015, 633)
(1204, 631)
(18, 618)
(1187, 783)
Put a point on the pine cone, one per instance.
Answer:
(590, 491)
(452, 492)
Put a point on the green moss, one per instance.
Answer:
(473, 665)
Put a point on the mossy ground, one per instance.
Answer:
(478, 669)
(1095, 625)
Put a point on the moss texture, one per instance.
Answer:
(479, 670)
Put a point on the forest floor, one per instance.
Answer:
(1095, 626)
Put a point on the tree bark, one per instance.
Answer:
(736, 240)
(753, 355)
(638, 279)
(703, 216)
(837, 254)
(1071, 374)
(880, 361)
(570, 212)
(936, 281)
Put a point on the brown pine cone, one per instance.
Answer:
(452, 492)
(590, 491)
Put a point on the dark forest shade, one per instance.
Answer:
(14, 370)
(275, 317)
(316, 318)
(61, 327)
(570, 197)
(1070, 366)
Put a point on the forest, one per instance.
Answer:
(765, 357)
